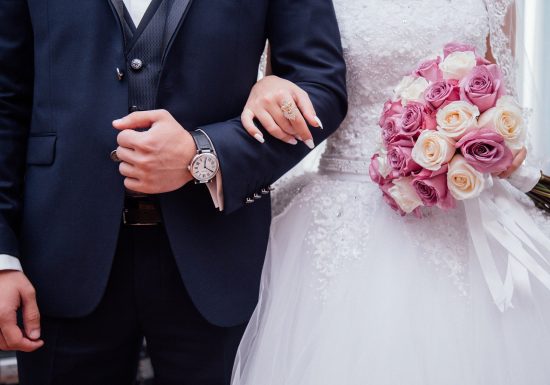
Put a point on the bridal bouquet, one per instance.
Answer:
(449, 127)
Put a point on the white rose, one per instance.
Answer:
(456, 119)
(404, 195)
(411, 89)
(432, 150)
(464, 181)
(384, 167)
(506, 118)
(458, 64)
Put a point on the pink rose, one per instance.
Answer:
(391, 108)
(416, 118)
(460, 47)
(391, 128)
(486, 151)
(432, 188)
(483, 86)
(430, 70)
(400, 158)
(389, 200)
(442, 93)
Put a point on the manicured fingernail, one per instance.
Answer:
(319, 122)
(299, 138)
(34, 334)
(118, 121)
(259, 138)
(310, 143)
(292, 141)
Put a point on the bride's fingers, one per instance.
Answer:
(274, 109)
(306, 107)
(247, 118)
(518, 161)
(269, 124)
(300, 130)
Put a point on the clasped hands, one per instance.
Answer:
(156, 160)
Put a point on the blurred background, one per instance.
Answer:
(534, 31)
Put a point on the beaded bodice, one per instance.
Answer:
(383, 40)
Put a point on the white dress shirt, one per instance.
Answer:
(136, 9)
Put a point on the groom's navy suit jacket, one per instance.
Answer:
(61, 196)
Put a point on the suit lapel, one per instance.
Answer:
(118, 9)
(117, 6)
(176, 16)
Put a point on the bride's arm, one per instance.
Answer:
(283, 109)
(265, 103)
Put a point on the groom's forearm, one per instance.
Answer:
(305, 49)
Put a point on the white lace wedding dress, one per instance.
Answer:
(353, 294)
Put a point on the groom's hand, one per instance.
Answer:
(154, 161)
(17, 291)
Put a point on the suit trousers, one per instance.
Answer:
(145, 298)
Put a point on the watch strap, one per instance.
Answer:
(202, 141)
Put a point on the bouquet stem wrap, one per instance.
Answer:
(540, 194)
(497, 218)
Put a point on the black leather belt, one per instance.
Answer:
(141, 211)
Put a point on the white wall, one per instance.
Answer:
(535, 66)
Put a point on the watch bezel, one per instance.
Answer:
(197, 158)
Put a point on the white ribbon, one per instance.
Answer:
(497, 218)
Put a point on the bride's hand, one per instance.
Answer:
(267, 100)
(519, 158)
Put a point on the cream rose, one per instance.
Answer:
(457, 65)
(404, 195)
(464, 181)
(411, 89)
(506, 118)
(456, 119)
(432, 150)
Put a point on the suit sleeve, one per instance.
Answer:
(305, 49)
(16, 88)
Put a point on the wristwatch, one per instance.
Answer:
(204, 165)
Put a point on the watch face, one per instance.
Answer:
(204, 167)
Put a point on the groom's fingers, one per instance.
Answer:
(140, 119)
(31, 314)
(16, 341)
(128, 171)
(129, 139)
(3, 344)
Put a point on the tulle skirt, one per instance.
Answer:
(353, 294)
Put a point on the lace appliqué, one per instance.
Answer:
(443, 239)
(338, 233)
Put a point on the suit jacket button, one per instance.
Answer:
(136, 64)
(134, 109)
(257, 196)
(265, 191)
(249, 201)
